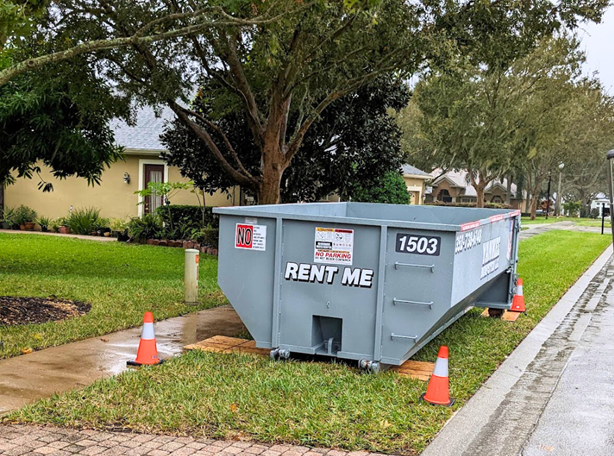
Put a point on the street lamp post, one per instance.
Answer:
(559, 196)
(548, 200)
(610, 156)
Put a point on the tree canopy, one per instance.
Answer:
(353, 144)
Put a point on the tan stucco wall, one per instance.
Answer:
(113, 197)
(416, 187)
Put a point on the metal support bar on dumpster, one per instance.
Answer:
(610, 156)
(410, 265)
(398, 336)
(416, 303)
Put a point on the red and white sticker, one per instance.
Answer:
(333, 246)
(251, 237)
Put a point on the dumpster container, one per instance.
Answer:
(361, 281)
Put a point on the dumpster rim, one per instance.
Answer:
(247, 211)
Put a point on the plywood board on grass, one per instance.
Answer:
(420, 370)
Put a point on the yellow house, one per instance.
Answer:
(415, 180)
(115, 195)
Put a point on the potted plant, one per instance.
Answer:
(24, 217)
(63, 227)
(119, 229)
(44, 223)
(8, 218)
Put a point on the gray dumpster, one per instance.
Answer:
(366, 282)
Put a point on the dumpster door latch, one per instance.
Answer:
(394, 336)
(415, 303)
(398, 265)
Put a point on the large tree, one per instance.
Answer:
(353, 144)
(301, 57)
(472, 118)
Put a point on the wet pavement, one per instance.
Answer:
(27, 378)
(554, 394)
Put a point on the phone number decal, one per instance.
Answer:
(467, 240)
(420, 245)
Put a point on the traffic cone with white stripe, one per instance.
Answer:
(438, 391)
(518, 301)
(147, 353)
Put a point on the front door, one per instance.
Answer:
(153, 173)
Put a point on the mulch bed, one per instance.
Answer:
(16, 310)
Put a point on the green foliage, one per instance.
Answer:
(354, 141)
(166, 190)
(390, 189)
(321, 404)
(121, 282)
(119, 225)
(188, 217)
(208, 236)
(59, 123)
(44, 222)
(8, 215)
(23, 214)
(594, 213)
(85, 220)
(149, 226)
(572, 208)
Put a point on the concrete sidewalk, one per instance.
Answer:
(554, 394)
(27, 378)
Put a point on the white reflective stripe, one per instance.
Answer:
(148, 331)
(441, 367)
(519, 290)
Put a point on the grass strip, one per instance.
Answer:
(120, 281)
(321, 404)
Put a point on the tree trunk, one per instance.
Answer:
(479, 188)
(508, 195)
(270, 184)
(1, 200)
(534, 199)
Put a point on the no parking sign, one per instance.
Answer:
(251, 237)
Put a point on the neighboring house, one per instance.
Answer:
(601, 201)
(415, 180)
(115, 195)
(454, 187)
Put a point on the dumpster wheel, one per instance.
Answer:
(495, 313)
(279, 353)
(369, 366)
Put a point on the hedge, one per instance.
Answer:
(188, 217)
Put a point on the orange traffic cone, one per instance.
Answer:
(518, 301)
(147, 353)
(438, 391)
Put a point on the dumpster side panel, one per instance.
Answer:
(482, 255)
(246, 274)
(323, 300)
(418, 288)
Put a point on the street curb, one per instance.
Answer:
(459, 432)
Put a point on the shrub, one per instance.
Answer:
(390, 189)
(486, 205)
(146, 227)
(24, 214)
(594, 213)
(208, 236)
(9, 215)
(185, 218)
(84, 221)
(44, 222)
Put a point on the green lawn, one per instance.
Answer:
(542, 219)
(321, 404)
(120, 281)
(593, 222)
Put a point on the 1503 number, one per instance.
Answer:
(421, 245)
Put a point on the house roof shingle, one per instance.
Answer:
(409, 169)
(145, 134)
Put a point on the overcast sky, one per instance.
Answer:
(598, 43)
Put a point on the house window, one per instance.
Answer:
(153, 173)
(496, 199)
(468, 199)
(444, 195)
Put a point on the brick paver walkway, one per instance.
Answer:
(35, 440)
